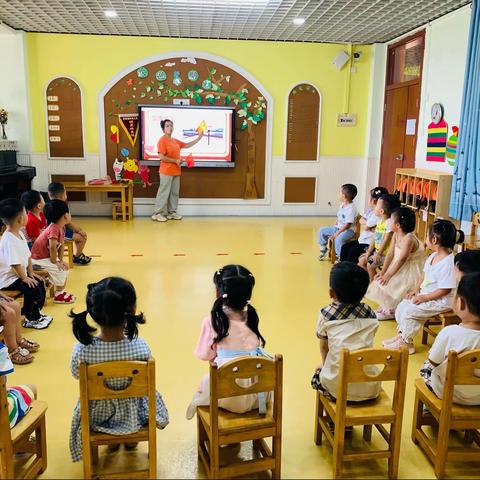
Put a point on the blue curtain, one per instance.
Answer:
(465, 198)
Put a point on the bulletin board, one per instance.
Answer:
(202, 82)
(303, 123)
(63, 104)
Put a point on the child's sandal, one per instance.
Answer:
(21, 356)
(32, 347)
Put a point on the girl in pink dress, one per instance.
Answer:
(230, 331)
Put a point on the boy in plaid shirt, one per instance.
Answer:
(345, 323)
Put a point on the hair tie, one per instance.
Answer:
(224, 295)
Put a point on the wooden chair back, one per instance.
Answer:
(475, 224)
(94, 385)
(6, 447)
(353, 370)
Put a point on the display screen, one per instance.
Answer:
(213, 150)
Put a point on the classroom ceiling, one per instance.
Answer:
(350, 21)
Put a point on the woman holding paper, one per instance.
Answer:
(166, 202)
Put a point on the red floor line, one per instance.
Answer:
(179, 255)
(94, 256)
(259, 253)
(220, 254)
(136, 254)
(295, 253)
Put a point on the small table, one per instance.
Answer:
(126, 194)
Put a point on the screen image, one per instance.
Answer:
(214, 149)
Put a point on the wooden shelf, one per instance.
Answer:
(424, 182)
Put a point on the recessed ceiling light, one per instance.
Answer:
(110, 13)
(299, 21)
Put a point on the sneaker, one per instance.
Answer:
(323, 254)
(81, 259)
(387, 342)
(385, 314)
(39, 324)
(158, 217)
(174, 216)
(63, 297)
(46, 318)
(400, 343)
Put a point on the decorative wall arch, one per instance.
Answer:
(302, 135)
(64, 119)
(253, 137)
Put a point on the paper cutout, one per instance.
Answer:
(129, 123)
(411, 123)
(144, 173)
(452, 147)
(170, 64)
(117, 169)
(115, 137)
(437, 141)
(124, 152)
(142, 72)
(189, 60)
(129, 82)
(202, 127)
(130, 167)
(190, 161)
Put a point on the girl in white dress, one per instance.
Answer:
(403, 267)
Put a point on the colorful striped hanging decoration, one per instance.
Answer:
(437, 141)
(452, 147)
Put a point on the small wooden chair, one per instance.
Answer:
(69, 249)
(378, 412)
(331, 243)
(472, 242)
(92, 387)
(442, 320)
(49, 286)
(449, 416)
(216, 426)
(17, 439)
(117, 209)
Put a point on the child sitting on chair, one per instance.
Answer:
(467, 261)
(56, 191)
(459, 338)
(435, 295)
(345, 323)
(344, 229)
(374, 257)
(352, 250)
(112, 304)
(231, 331)
(16, 269)
(36, 222)
(19, 397)
(47, 251)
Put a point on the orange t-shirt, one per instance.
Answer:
(171, 148)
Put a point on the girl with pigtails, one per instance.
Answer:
(229, 332)
(112, 304)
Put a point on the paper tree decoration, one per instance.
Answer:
(437, 141)
(452, 147)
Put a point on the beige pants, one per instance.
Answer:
(57, 276)
(166, 201)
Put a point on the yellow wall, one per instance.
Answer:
(94, 60)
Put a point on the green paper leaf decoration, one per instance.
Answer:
(243, 126)
(148, 88)
(143, 95)
(211, 101)
(128, 102)
(197, 98)
(165, 99)
(110, 114)
(227, 100)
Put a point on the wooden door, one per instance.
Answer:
(394, 121)
(411, 127)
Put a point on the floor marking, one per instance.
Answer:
(259, 253)
(95, 256)
(295, 253)
(179, 255)
(136, 254)
(220, 254)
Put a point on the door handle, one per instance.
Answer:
(398, 156)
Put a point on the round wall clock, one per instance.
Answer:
(437, 112)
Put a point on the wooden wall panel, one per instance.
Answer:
(300, 189)
(195, 182)
(303, 123)
(72, 196)
(64, 119)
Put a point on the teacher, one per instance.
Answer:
(166, 202)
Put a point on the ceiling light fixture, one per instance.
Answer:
(110, 13)
(299, 21)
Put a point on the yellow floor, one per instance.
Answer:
(176, 292)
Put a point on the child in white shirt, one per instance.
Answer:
(345, 323)
(435, 295)
(352, 250)
(344, 230)
(459, 338)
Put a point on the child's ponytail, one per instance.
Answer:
(131, 322)
(446, 233)
(220, 321)
(460, 236)
(81, 329)
(252, 322)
